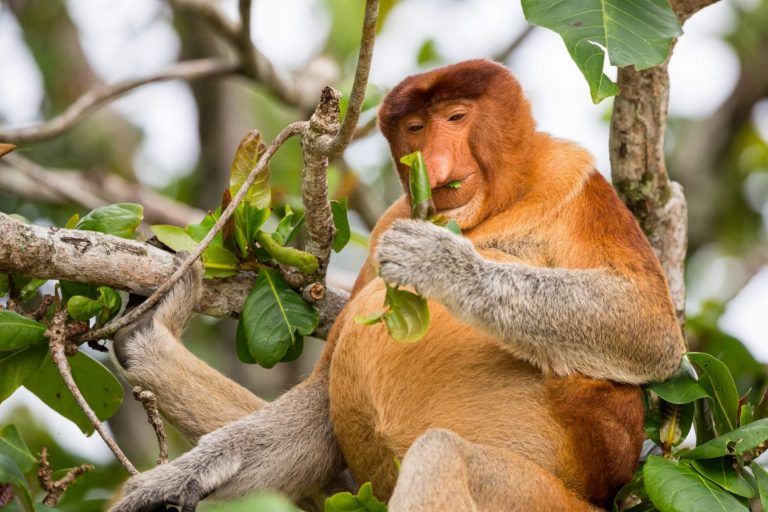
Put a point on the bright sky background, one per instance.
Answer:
(125, 38)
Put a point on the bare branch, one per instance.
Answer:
(95, 98)
(149, 402)
(360, 84)
(57, 342)
(212, 14)
(515, 44)
(90, 257)
(115, 325)
(90, 190)
(56, 488)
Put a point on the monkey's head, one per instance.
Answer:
(474, 127)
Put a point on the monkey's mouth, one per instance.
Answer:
(455, 193)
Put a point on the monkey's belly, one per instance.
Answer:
(385, 394)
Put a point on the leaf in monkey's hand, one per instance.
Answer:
(371, 318)
(408, 317)
(120, 219)
(274, 318)
(247, 156)
(421, 192)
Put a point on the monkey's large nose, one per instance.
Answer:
(439, 166)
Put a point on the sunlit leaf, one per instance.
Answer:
(219, 262)
(420, 190)
(341, 222)
(638, 33)
(100, 388)
(273, 318)
(110, 301)
(18, 331)
(82, 308)
(736, 442)
(115, 219)
(284, 227)
(674, 487)
(72, 221)
(174, 237)
(29, 290)
(246, 158)
(370, 319)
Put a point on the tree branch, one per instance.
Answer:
(93, 99)
(57, 340)
(116, 325)
(140, 268)
(515, 44)
(638, 169)
(356, 97)
(26, 178)
(56, 488)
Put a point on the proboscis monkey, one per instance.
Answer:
(547, 315)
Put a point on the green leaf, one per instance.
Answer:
(115, 219)
(675, 423)
(110, 302)
(735, 442)
(674, 487)
(100, 388)
(285, 226)
(341, 222)
(16, 367)
(10, 473)
(454, 184)
(29, 290)
(18, 331)
(408, 317)
(453, 227)
(248, 220)
(71, 288)
(761, 475)
(717, 381)
(219, 260)
(303, 261)
(262, 502)
(14, 447)
(294, 351)
(82, 308)
(247, 156)
(420, 190)
(4, 284)
(370, 319)
(364, 501)
(198, 231)
(273, 317)
(72, 221)
(241, 344)
(721, 472)
(638, 33)
(427, 53)
(174, 237)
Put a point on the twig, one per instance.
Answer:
(148, 400)
(212, 14)
(112, 327)
(515, 44)
(56, 488)
(91, 190)
(356, 97)
(57, 342)
(91, 100)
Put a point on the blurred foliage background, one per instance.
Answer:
(179, 139)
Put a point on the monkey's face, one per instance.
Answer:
(442, 133)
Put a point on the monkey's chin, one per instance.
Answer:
(467, 215)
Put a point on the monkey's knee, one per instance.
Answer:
(124, 340)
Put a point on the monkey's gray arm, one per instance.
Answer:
(592, 321)
(287, 446)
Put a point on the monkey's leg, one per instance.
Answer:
(191, 395)
(442, 471)
(288, 445)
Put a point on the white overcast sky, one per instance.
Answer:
(123, 38)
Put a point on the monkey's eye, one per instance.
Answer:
(415, 128)
(457, 117)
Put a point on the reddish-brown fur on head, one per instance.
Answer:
(496, 141)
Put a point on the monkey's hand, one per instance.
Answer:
(429, 258)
